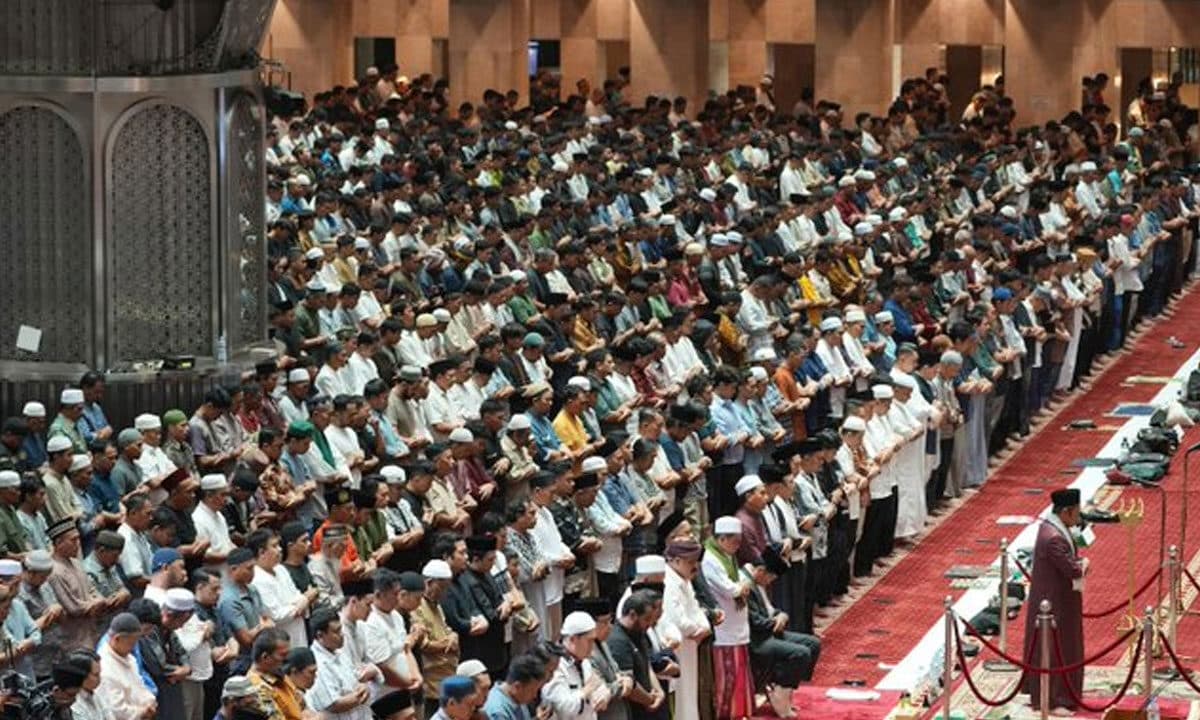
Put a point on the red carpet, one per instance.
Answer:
(889, 620)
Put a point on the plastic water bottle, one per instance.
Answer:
(1152, 711)
(222, 350)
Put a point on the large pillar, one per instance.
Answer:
(1048, 48)
(489, 42)
(854, 53)
(582, 56)
(747, 41)
(668, 50)
(414, 36)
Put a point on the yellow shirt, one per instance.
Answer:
(570, 430)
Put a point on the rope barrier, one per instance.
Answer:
(1028, 667)
(1137, 652)
(962, 660)
(1021, 568)
(1178, 664)
(1125, 603)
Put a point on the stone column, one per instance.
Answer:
(747, 41)
(854, 40)
(582, 53)
(668, 50)
(489, 42)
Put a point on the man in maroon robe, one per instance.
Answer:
(1058, 577)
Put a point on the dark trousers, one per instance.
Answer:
(786, 659)
(609, 585)
(722, 498)
(935, 487)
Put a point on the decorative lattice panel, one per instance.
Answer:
(248, 208)
(47, 37)
(161, 273)
(44, 238)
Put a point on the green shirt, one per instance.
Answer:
(62, 426)
(307, 323)
(522, 308)
(13, 539)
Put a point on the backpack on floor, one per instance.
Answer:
(1192, 392)
(1156, 440)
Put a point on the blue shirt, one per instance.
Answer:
(730, 422)
(544, 437)
(499, 706)
(240, 609)
(92, 421)
(35, 450)
(105, 493)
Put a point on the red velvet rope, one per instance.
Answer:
(1028, 667)
(1145, 586)
(962, 660)
(1137, 653)
(1022, 569)
(1178, 665)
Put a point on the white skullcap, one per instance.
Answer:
(520, 421)
(79, 462)
(904, 380)
(510, 125)
(952, 357)
(71, 396)
(315, 254)
(393, 474)
(897, 214)
(650, 565)
(863, 228)
(578, 623)
(854, 424)
(361, 243)
(442, 315)
(884, 316)
(882, 392)
(425, 320)
(734, 236)
(381, 124)
(593, 464)
(644, 172)
(57, 444)
(213, 481)
(580, 382)
(1009, 212)
(900, 162)
(666, 220)
(708, 194)
(517, 276)
(470, 668)
(9, 479)
(560, 166)
(437, 570)
(1087, 166)
(856, 315)
(727, 525)
(147, 421)
(180, 600)
(297, 375)
(746, 484)
(301, 179)
(461, 435)
(875, 220)
(831, 323)
(34, 410)
(719, 240)
(764, 354)
(10, 568)
(846, 181)
(865, 176)
(758, 373)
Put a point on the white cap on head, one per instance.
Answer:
(746, 484)
(897, 214)
(884, 316)
(10, 479)
(854, 424)
(830, 324)
(57, 444)
(520, 421)
(79, 462)
(71, 396)
(213, 481)
(442, 315)
(517, 276)
(727, 525)
(856, 316)
(1087, 166)
(882, 392)
(708, 194)
(593, 464)
(863, 228)
(578, 623)
(952, 357)
(1009, 212)
(650, 565)
(900, 162)
(764, 354)
(437, 570)
(147, 421)
(461, 435)
(874, 219)
(10, 568)
(580, 382)
(470, 668)
(381, 124)
(393, 474)
(297, 375)
(34, 410)
(758, 373)
(314, 254)
(846, 181)
(904, 380)
(180, 600)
